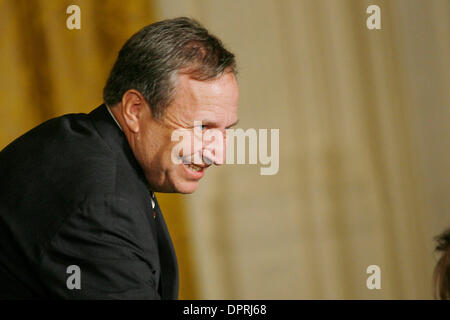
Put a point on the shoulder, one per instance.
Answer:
(64, 153)
(62, 178)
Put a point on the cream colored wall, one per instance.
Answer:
(363, 174)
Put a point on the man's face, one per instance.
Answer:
(215, 104)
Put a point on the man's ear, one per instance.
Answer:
(133, 108)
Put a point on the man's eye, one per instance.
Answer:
(200, 127)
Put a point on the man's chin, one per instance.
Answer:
(183, 187)
(187, 187)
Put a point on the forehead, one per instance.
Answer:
(214, 98)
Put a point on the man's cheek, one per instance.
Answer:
(180, 145)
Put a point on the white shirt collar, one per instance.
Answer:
(152, 195)
(112, 115)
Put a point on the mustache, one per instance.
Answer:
(189, 159)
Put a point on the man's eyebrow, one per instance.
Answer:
(213, 123)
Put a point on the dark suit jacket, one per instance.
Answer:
(72, 193)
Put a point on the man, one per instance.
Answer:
(78, 217)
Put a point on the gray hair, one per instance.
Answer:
(151, 59)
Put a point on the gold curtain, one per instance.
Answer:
(48, 70)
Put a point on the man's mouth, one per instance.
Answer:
(194, 167)
(194, 171)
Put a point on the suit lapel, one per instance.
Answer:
(168, 260)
